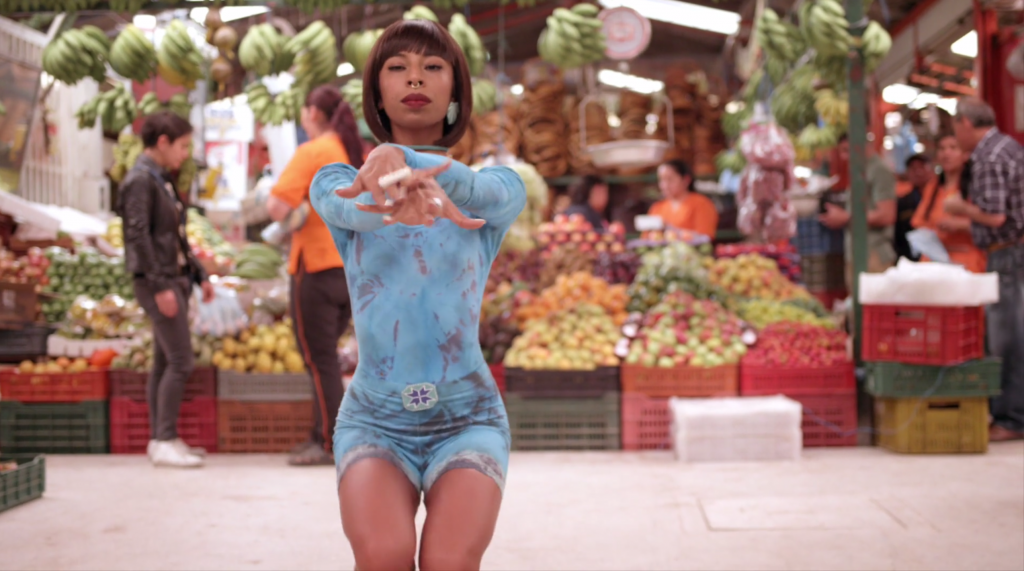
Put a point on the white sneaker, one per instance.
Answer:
(193, 450)
(165, 453)
(150, 447)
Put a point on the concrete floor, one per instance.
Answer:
(856, 508)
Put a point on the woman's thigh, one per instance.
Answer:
(378, 512)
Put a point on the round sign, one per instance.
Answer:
(627, 33)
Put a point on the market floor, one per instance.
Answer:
(859, 508)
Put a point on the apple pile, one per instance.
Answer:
(753, 275)
(762, 312)
(498, 327)
(574, 231)
(617, 268)
(582, 338)
(514, 266)
(798, 344)
(682, 330)
(570, 290)
(785, 256)
(675, 267)
(28, 269)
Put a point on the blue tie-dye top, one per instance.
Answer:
(416, 291)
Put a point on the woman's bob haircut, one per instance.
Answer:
(426, 38)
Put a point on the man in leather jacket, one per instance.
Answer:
(157, 254)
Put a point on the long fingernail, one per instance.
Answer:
(387, 219)
(389, 202)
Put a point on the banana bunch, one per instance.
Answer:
(178, 104)
(832, 108)
(470, 42)
(76, 54)
(115, 109)
(187, 173)
(831, 70)
(179, 61)
(132, 55)
(824, 26)
(779, 39)
(316, 57)
(730, 160)
(776, 69)
(573, 38)
(357, 45)
(735, 122)
(485, 96)
(420, 12)
(261, 102)
(262, 51)
(815, 138)
(792, 102)
(290, 103)
(876, 43)
(126, 152)
(352, 93)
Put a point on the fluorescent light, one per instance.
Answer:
(346, 68)
(966, 46)
(924, 100)
(517, 89)
(900, 94)
(144, 21)
(683, 14)
(918, 147)
(631, 82)
(228, 13)
(947, 104)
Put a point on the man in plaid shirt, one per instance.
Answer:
(996, 210)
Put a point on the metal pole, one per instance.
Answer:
(858, 164)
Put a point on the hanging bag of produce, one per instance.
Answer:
(765, 212)
(223, 316)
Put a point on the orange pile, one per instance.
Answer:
(571, 289)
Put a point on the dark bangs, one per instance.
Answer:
(421, 37)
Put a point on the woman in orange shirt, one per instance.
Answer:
(320, 305)
(683, 208)
(953, 231)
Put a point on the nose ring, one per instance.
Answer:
(416, 84)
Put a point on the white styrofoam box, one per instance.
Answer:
(57, 346)
(929, 284)
(736, 429)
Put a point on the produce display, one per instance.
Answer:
(677, 267)
(87, 273)
(178, 103)
(420, 12)
(179, 61)
(485, 96)
(262, 51)
(581, 338)
(126, 152)
(574, 231)
(54, 366)
(573, 37)
(115, 108)
(765, 212)
(470, 42)
(513, 266)
(260, 349)
(498, 327)
(570, 290)
(752, 275)
(77, 54)
(258, 262)
(681, 330)
(543, 127)
(520, 234)
(796, 344)
(617, 268)
(760, 313)
(352, 93)
(785, 256)
(206, 241)
(139, 356)
(132, 55)
(30, 268)
(316, 57)
(561, 262)
(357, 45)
(109, 318)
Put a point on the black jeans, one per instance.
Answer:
(1006, 335)
(173, 359)
(321, 310)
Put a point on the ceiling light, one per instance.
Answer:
(893, 120)
(517, 89)
(229, 13)
(682, 14)
(918, 147)
(924, 100)
(966, 46)
(630, 82)
(346, 68)
(947, 104)
(145, 21)
(900, 94)
(887, 143)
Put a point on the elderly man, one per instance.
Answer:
(996, 210)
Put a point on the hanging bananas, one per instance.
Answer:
(77, 54)
(132, 55)
(178, 104)
(262, 51)
(815, 138)
(485, 96)
(260, 101)
(779, 39)
(573, 37)
(352, 93)
(290, 103)
(792, 103)
(420, 12)
(824, 26)
(832, 108)
(876, 43)
(316, 56)
(114, 108)
(357, 45)
(126, 152)
(179, 61)
(832, 70)
(730, 160)
(470, 42)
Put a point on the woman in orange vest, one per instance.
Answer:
(953, 231)
(320, 305)
(683, 208)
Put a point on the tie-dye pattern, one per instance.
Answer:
(416, 294)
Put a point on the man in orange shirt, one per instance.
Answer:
(320, 304)
(683, 208)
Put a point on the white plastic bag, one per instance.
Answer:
(223, 316)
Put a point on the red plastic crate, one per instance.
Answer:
(829, 298)
(132, 384)
(681, 381)
(922, 335)
(498, 372)
(646, 422)
(263, 427)
(129, 424)
(758, 379)
(829, 419)
(54, 387)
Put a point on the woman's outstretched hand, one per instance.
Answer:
(383, 160)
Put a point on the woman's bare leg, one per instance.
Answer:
(378, 512)
(462, 510)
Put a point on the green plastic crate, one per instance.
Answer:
(979, 378)
(80, 428)
(25, 483)
(564, 424)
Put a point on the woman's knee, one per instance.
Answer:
(385, 554)
(441, 558)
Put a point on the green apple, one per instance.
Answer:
(666, 362)
(648, 360)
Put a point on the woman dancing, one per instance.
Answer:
(418, 234)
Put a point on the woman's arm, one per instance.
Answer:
(337, 211)
(138, 206)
